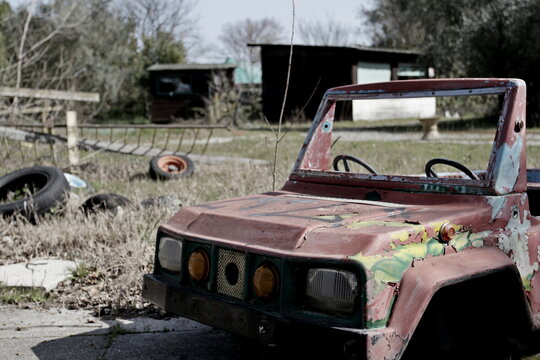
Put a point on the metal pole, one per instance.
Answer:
(194, 141)
(139, 139)
(181, 140)
(167, 139)
(153, 137)
(207, 141)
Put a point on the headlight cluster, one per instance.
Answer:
(331, 289)
(326, 289)
(170, 254)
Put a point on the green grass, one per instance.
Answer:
(16, 295)
(81, 270)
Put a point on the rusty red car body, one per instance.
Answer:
(387, 230)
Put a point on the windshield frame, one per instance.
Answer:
(316, 148)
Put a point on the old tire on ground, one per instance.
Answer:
(105, 202)
(165, 167)
(32, 191)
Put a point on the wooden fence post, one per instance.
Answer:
(71, 126)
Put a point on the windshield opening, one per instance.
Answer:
(398, 136)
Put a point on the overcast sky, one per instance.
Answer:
(213, 14)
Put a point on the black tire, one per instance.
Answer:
(166, 167)
(36, 191)
(105, 202)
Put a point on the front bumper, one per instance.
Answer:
(232, 317)
(208, 310)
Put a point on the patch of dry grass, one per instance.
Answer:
(119, 249)
(116, 248)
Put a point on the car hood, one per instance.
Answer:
(301, 225)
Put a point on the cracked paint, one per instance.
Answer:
(467, 239)
(497, 204)
(506, 168)
(514, 242)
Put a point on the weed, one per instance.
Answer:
(114, 331)
(81, 270)
(16, 295)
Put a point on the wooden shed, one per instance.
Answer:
(178, 90)
(317, 68)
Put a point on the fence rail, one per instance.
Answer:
(87, 130)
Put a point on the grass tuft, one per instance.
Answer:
(16, 295)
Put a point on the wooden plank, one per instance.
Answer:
(34, 110)
(50, 94)
(128, 126)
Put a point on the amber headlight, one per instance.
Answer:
(266, 281)
(198, 265)
(170, 254)
(332, 290)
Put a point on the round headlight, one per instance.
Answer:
(198, 265)
(265, 281)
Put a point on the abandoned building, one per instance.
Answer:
(178, 90)
(318, 68)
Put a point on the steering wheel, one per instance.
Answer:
(346, 158)
(463, 168)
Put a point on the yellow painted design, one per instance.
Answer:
(400, 235)
(466, 239)
(527, 282)
(391, 268)
(403, 235)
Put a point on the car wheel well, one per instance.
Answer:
(484, 317)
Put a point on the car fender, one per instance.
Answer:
(420, 283)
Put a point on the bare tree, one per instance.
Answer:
(153, 18)
(324, 32)
(68, 45)
(238, 34)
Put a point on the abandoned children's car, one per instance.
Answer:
(440, 259)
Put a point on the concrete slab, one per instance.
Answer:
(143, 324)
(69, 348)
(16, 323)
(201, 345)
(44, 273)
(58, 334)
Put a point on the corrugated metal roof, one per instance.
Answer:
(356, 47)
(164, 67)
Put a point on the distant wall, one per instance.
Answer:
(384, 109)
